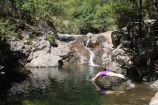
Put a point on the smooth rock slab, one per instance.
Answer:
(44, 59)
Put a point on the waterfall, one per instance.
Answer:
(92, 54)
(87, 42)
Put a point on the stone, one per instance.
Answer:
(43, 59)
(154, 86)
(154, 100)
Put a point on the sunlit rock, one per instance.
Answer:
(155, 86)
(154, 100)
(43, 59)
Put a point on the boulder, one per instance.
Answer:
(43, 59)
(79, 53)
(44, 55)
(154, 100)
(154, 86)
(13, 52)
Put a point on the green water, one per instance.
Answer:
(69, 86)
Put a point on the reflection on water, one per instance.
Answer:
(68, 86)
(91, 73)
(39, 79)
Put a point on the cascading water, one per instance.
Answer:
(92, 54)
(87, 43)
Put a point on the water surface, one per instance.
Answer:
(68, 86)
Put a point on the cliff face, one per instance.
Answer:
(13, 52)
(142, 48)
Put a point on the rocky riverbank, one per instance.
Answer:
(120, 51)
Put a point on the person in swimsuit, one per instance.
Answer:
(107, 73)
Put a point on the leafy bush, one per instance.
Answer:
(83, 16)
(93, 16)
(7, 28)
(28, 41)
(43, 9)
(51, 39)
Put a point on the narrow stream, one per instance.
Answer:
(71, 85)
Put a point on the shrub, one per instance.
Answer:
(93, 16)
(7, 28)
(28, 41)
(51, 39)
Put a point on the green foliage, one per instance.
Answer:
(41, 8)
(51, 39)
(124, 12)
(7, 28)
(103, 17)
(34, 102)
(76, 16)
(28, 41)
(92, 16)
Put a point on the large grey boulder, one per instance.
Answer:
(154, 86)
(79, 53)
(13, 52)
(154, 100)
(18, 45)
(113, 59)
(46, 56)
(43, 59)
